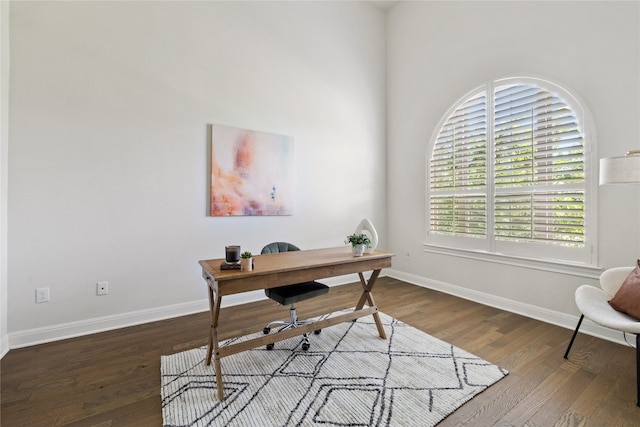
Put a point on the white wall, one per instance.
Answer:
(108, 145)
(437, 52)
(4, 143)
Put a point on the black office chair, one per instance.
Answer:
(290, 295)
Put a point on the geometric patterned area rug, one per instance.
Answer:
(349, 377)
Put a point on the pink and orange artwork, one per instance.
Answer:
(251, 172)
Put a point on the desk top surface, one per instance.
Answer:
(283, 262)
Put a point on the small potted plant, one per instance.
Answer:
(359, 242)
(246, 261)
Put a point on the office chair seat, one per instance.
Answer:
(290, 295)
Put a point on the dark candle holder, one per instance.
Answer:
(232, 254)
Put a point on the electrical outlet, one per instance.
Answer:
(42, 295)
(102, 288)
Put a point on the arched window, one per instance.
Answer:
(509, 173)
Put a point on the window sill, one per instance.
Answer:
(563, 267)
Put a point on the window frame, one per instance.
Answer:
(489, 247)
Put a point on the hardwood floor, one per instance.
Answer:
(113, 378)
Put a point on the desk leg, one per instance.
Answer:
(214, 308)
(368, 298)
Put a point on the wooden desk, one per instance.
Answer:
(287, 268)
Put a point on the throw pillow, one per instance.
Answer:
(627, 299)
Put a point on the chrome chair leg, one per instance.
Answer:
(292, 323)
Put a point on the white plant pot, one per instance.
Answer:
(358, 250)
(246, 264)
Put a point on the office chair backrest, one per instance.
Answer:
(275, 247)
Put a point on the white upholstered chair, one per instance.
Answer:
(593, 304)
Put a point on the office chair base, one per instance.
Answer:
(293, 322)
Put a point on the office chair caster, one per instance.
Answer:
(305, 346)
(317, 332)
(266, 332)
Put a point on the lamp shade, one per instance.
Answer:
(620, 170)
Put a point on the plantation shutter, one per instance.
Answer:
(458, 172)
(528, 197)
(551, 217)
(539, 167)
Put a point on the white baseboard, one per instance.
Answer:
(548, 316)
(62, 331)
(4, 345)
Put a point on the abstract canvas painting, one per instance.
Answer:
(251, 172)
